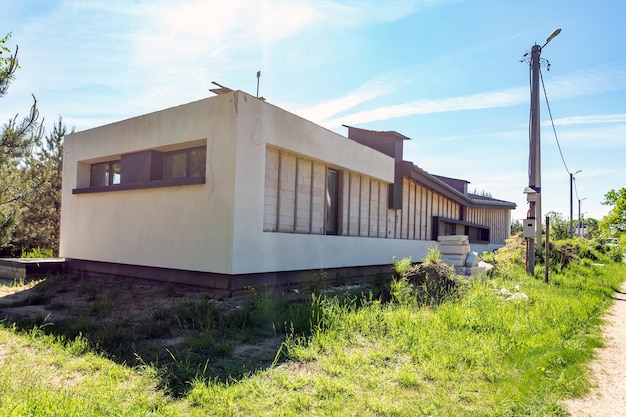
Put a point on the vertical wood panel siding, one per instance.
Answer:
(345, 202)
(364, 203)
(318, 198)
(296, 191)
(382, 209)
(270, 213)
(286, 192)
(404, 214)
(413, 211)
(303, 196)
(428, 214)
(295, 202)
(374, 210)
(497, 220)
(422, 214)
(355, 204)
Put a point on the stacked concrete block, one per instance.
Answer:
(13, 269)
(454, 249)
(456, 252)
(12, 272)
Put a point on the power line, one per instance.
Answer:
(552, 122)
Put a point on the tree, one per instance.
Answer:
(615, 221)
(39, 221)
(559, 227)
(517, 227)
(17, 139)
(591, 227)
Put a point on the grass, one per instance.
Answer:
(476, 353)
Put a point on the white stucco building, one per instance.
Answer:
(232, 191)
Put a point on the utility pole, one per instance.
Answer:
(580, 224)
(534, 175)
(533, 191)
(571, 203)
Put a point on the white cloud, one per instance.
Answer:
(602, 137)
(591, 81)
(590, 119)
(371, 90)
(503, 98)
(581, 83)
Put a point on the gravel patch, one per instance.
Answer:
(608, 396)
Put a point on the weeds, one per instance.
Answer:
(37, 253)
(473, 353)
(433, 256)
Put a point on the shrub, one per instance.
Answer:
(433, 256)
(433, 281)
(562, 254)
(37, 253)
(400, 268)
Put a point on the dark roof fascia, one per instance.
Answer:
(414, 172)
(379, 134)
(462, 222)
(418, 174)
(452, 181)
(488, 202)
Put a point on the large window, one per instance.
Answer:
(147, 169)
(332, 201)
(105, 173)
(185, 163)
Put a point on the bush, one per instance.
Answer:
(37, 253)
(400, 268)
(427, 283)
(433, 282)
(562, 254)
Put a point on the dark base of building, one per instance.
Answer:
(230, 285)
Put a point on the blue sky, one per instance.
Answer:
(446, 73)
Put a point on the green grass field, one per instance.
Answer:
(507, 345)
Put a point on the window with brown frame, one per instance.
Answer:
(184, 163)
(148, 169)
(105, 173)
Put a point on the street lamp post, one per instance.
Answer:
(534, 166)
(571, 203)
(580, 224)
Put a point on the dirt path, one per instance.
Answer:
(608, 397)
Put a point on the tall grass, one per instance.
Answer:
(478, 353)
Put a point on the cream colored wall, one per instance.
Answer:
(186, 227)
(260, 125)
(219, 226)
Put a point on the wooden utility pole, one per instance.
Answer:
(533, 191)
(547, 263)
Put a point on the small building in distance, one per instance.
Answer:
(232, 191)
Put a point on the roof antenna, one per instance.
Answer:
(258, 77)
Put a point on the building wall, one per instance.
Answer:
(281, 164)
(498, 220)
(187, 227)
(262, 206)
(419, 205)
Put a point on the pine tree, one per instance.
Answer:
(17, 139)
(38, 225)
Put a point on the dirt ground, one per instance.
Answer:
(117, 313)
(608, 396)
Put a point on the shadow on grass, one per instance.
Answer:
(185, 332)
